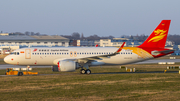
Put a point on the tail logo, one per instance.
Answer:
(159, 35)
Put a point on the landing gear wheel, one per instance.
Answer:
(88, 71)
(82, 71)
(20, 74)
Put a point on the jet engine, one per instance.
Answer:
(66, 66)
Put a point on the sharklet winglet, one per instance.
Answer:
(120, 48)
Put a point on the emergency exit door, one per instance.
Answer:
(28, 54)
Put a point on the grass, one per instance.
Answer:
(74, 86)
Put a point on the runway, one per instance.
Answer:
(103, 73)
(16, 66)
(138, 72)
(160, 60)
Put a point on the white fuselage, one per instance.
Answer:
(50, 56)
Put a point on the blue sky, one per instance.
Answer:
(100, 17)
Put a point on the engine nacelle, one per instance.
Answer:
(66, 66)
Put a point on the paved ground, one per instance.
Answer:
(16, 66)
(161, 60)
(106, 73)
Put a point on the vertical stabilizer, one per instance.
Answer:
(158, 37)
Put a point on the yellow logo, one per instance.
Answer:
(159, 34)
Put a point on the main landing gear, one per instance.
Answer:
(87, 71)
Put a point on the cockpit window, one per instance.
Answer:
(15, 53)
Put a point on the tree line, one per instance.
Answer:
(76, 36)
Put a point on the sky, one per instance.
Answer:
(90, 17)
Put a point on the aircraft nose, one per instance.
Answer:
(7, 59)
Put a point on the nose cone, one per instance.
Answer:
(8, 59)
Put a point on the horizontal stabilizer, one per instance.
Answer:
(162, 52)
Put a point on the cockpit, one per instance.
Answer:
(15, 53)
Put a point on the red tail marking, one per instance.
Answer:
(158, 37)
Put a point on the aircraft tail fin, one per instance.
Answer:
(158, 37)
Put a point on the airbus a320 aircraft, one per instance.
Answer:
(72, 58)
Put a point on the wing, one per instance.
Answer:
(93, 58)
(100, 57)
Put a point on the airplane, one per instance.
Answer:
(71, 58)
